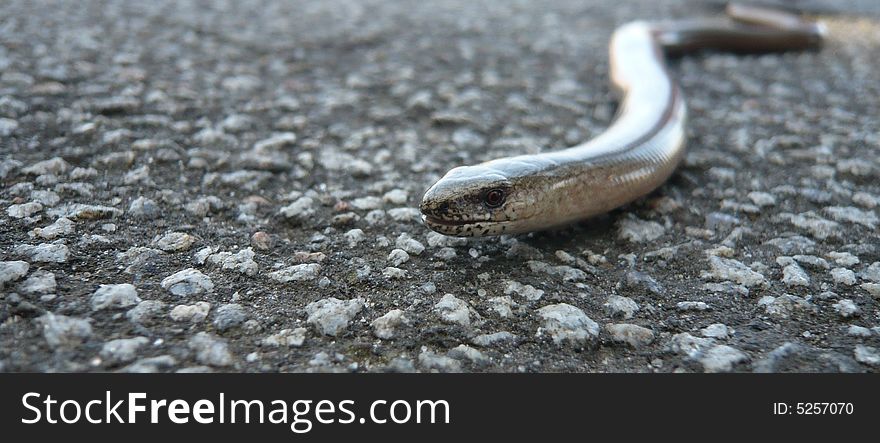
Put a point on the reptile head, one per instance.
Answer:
(471, 201)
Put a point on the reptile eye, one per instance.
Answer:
(494, 198)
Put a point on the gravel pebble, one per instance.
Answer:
(733, 270)
(494, 339)
(639, 231)
(300, 209)
(151, 365)
(274, 142)
(385, 327)
(866, 200)
(566, 273)
(39, 282)
(145, 311)
(850, 214)
(286, 338)
(354, 237)
(621, 307)
(175, 242)
(722, 358)
(262, 241)
(818, 227)
(762, 198)
(847, 308)
(194, 313)
(305, 271)
(241, 261)
(844, 259)
(45, 197)
(633, 335)
(843, 276)
(691, 306)
(641, 280)
(397, 257)
(812, 260)
(7, 127)
(394, 273)
(871, 288)
(54, 166)
(688, 345)
(122, 350)
(63, 331)
(716, 330)
(210, 349)
(409, 244)
(794, 275)
(332, 316)
(143, 207)
(45, 252)
(454, 310)
(229, 316)
(868, 355)
(528, 292)
(467, 353)
(404, 214)
(61, 227)
(367, 203)
(794, 244)
(114, 296)
(503, 306)
(792, 357)
(188, 282)
(872, 273)
(445, 254)
(12, 270)
(433, 362)
(567, 323)
(859, 331)
(785, 305)
(395, 196)
(23, 210)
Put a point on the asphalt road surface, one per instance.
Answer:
(232, 186)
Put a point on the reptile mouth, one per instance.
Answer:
(430, 219)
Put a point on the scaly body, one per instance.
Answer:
(634, 156)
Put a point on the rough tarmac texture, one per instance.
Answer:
(232, 186)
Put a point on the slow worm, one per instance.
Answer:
(634, 156)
